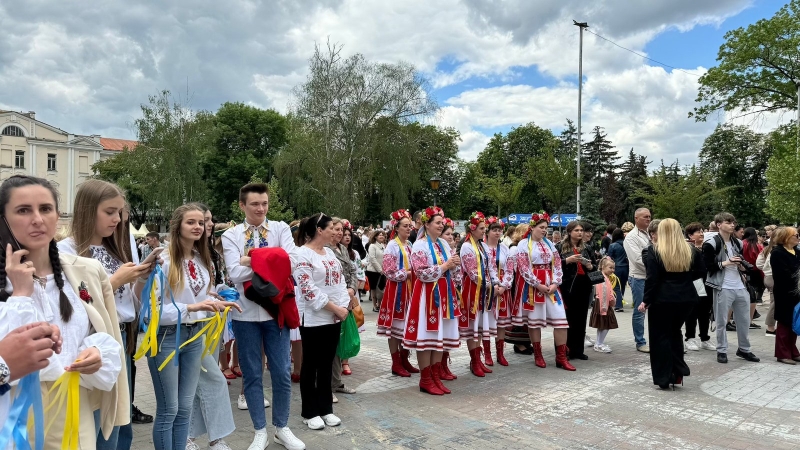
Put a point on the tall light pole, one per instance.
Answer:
(580, 25)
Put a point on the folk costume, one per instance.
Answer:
(432, 320)
(499, 257)
(397, 295)
(538, 262)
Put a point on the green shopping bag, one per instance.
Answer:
(349, 340)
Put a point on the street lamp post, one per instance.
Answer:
(580, 25)
(435, 182)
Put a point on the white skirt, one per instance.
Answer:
(482, 328)
(547, 314)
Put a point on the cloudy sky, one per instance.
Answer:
(85, 67)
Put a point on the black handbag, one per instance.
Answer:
(596, 277)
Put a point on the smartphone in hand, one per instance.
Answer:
(153, 256)
(7, 237)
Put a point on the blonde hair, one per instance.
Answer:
(606, 261)
(672, 248)
(84, 220)
(519, 232)
(175, 274)
(779, 237)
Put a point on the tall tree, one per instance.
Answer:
(783, 173)
(632, 177)
(599, 157)
(759, 68)
(681, 195)
(736, 157)
(557, 179)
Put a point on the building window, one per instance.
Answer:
(83, 164)
(13, 130)
(19, 159)
(51, 162)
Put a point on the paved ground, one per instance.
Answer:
(609, 403)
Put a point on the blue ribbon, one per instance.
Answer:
(28, 394)
(229, 294)
(398, 297)
(145, 311)
(436, 296)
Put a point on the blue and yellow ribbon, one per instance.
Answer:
(27, 395)
(404, 287)
(449, 306)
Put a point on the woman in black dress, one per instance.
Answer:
(577, 260)
(672, 270)
(785, 263)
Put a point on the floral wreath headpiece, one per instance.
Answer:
(430, 212)
(448, 222)
(495, 220)
(346, 224)
(476, 219)
(399, 215)
(539, 217)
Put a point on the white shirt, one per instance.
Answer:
(636, 241)
(233, 246)
(320, 280)
(733, 279)
(77, 334)
(134, 253)
(194, 290)
(5, 405)
(123, 296)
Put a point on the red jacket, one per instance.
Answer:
(272, 265)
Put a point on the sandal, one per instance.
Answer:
(236, 371)
(346, 371)
(229, 376)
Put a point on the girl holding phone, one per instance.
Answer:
(41, 283)
(98, 232)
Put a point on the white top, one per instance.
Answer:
(469, 263)
(194, 290)
(134, 252)
(320, 280)
(636, 241)
(733, 279)
(77, 334)
(124, 297)
(234, 247)
(506, 264)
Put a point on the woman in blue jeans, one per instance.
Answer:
(617, 252)
(186, 264)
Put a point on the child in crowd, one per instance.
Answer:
(603, 317)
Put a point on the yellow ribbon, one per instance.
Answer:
(406, 263)
(150, 339)
(67, 390)
(212, 331)
(480, 275)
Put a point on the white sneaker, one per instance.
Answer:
(589, 341)
(334, 399)
(643, 348)
(691, 344)
(222, 445)
(241, 402)
(601, 348)
(285, 437)
(192, 445)
(266, 403)
(260, 441)
(707, 345)
(315, 423)
(607, 348)
(331, 420)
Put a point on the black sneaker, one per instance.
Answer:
(756, 314)
(755, 326)
(722, 358)
(730, 326)
(747, 355)
(140, 417)
(619, 310)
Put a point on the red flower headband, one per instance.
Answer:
(346, 224)
(476, 219)
(539, 217)
(495, 220)
(448, 222)
(430, 212)
(399, 215)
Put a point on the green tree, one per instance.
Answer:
(685, 197)
(278, 209)
(632, 177)
(599, 158)
(783, 175)
(758, 70)
(557, 179)
(736, 157)
(129, 172)
(245, 140)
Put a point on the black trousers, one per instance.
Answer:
(700, 317)
(576, 304)
(664, 321)
(319, 348)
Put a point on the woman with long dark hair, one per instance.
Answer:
(751, 248)
(345, 257)
(577, 260)
(74, 295)
(322, 307)
(673, 270)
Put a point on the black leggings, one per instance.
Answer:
(701, 316)
(319, 348)
(577, 296)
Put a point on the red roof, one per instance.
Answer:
(117, 144)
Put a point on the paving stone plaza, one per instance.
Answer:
(609, 403)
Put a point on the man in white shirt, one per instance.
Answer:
(637, 240)
(254, 328)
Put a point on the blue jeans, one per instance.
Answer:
(174, 387)
(251, 337)
(637, 290)
(619, 291)
(212, 411)
(121, 437)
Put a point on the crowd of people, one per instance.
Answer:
(219, 302)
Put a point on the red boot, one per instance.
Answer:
(480, 361)
(561, 358)
(397, 366)
(487, 353)
(436, 374)
(426, 383)
(537, 355)
(475, 363)
(501, 359)
(404, 354)
(445, 373)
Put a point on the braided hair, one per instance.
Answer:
(18, 181)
